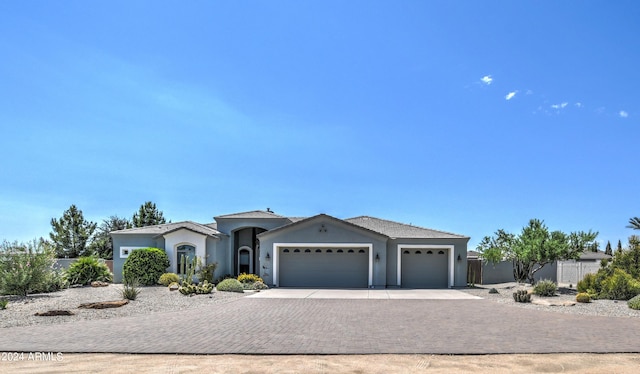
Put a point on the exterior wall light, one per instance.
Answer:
(459, 258)
(377, 257)
(267, 257)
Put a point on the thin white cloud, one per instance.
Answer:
(510, 95)
(623, 114)
(486, 80)
(560, 106)
(578, 105)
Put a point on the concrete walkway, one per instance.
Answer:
(360, 293)
(253, 325)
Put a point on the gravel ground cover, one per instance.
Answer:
(608, 308)
(21, 310)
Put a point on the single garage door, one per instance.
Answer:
(324, 267)
(425, 268)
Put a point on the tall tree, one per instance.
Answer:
(72, 233)
(535, 247)
(634, 223)
(102, 244)
(619, 248)
(607, 250)
(148, 215)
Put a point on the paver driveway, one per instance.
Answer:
(364, 293)
(334, 326)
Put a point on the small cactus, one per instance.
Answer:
(522, 296)
(583, 297)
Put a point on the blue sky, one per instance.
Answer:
(463, 116)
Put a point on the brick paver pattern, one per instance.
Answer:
(312, 326)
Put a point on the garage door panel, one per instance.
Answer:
(324, 269)
(425, 268)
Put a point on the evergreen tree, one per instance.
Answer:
(102, 244)
(619, 249)
(72, 233)
(608, 250)
(148, 215)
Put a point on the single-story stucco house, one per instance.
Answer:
(318, 251)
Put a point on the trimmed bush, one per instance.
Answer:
(583, 297)
(545, 287)
(249, 278)
(587, 283)
(620, 286)
(168, 278)
(145, 265)
(634, 302)
(86, 270)
(230, 285)
(223, 277)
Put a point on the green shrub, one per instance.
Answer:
(205, 273)
(3, 304)
(587, 283)
(168, 278)
(249, 278)
(583, 297)
(230, 285)
(620, 286)
(130, 290)
(27, 268)
(223, 277)
(146, 265)
(86, 270)
(634, 302)
(545, 287)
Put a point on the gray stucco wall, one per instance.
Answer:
(336, 232)
(502, 272)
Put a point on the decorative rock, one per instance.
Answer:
(173, 287)
(104, 304)
(552, 303)
(99, 284)
(54, 313)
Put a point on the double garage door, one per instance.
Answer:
(424, 268)
(323, 267)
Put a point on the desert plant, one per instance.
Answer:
(223, 277)
(3, 304)
(493, 290)
(249, 278)
(130, 290)
(201, 288)
(230, 285)
(259, 286)
(27, 268)
(86, 270)
(620, 286)
(188, 268)
(545, 287)
(146, 265)
(583, 297)
(634, 302)
(587, 283)
(522, 296)
(205, 273)
(168, 278)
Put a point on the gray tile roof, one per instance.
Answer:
(594, 255)
(299, 220)
(400, 230)
(170, 227)
(252, 214)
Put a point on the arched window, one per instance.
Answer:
(429, 252)
(307, 250)
(296, 250)
(318, 250)
(286, 250)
